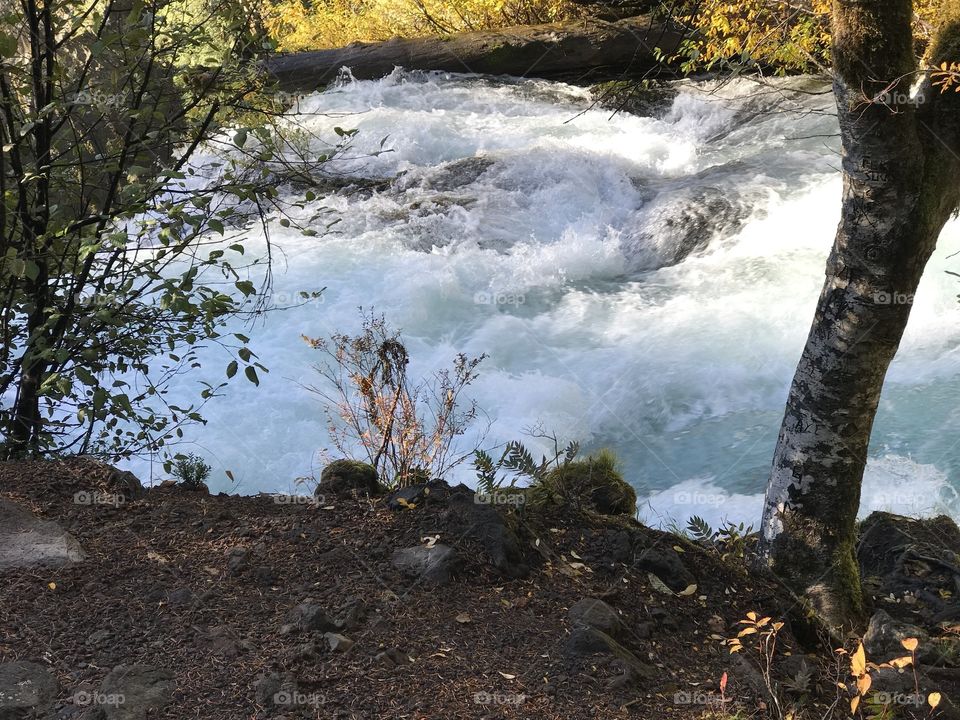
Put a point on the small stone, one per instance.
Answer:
(98, 636)
(237, 559)
(666, 564)
(392, 657)
(337, 642)
(311, 618)
(264, 576)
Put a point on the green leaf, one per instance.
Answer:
(251, 374)
(232, 369)
(246, 287)
(8, 45)
(85, 376)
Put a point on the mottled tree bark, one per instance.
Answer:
(901, 173)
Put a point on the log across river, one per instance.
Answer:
(584, 50)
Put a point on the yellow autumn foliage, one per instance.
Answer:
(298, 25)
(784, 35)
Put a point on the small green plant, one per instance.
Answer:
(518, 461)
(730, 541)
(191, 471)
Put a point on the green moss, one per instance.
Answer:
(349, 475)
(873, 41)
(594, 483)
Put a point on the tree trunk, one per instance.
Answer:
(901, 184)
(577, 49)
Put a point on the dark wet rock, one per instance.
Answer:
(591, 612)
(629, 96)
(27, 541)
(681, 221)
(485, 525)
(457, 174)
(310, 617)
(665, 563)
(348, 477)
(27, 690)
(436, 565)
(140, 691)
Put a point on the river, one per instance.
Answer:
(639, 283)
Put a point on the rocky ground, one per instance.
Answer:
(168, 603)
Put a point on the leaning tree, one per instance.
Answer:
(900, 129)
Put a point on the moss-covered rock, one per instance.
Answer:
(593, 483)
(347, 476)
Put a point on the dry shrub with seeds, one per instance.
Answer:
(407, 429)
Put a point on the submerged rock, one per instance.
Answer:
(680, 221)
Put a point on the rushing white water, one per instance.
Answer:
(524, 224)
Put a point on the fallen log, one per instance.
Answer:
(583, 50)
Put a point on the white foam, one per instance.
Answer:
(683, 370)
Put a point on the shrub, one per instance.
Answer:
(191, 471)
(407, 430)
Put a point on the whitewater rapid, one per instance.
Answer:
(638, 283)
